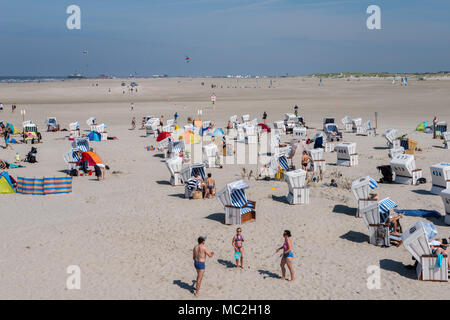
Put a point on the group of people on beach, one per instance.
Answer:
(13, 107)
(200, 252)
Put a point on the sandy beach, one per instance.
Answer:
(132, 234)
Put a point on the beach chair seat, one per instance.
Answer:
(238, 209)
(392, 138)
(299, 133)
(415, 240)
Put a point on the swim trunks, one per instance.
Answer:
(199, 265)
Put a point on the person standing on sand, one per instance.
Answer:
(287, 256)
(264, 117)
(238, 239)
(133, 123)
(132, 106)
(7, 137)
(199, 255)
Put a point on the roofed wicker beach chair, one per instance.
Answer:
(238, 209)
(346, 154)
(362, 190)
(298, 191)
(190, 172)
(430, 267)
(404, 167)
(440, 177)
(174, 165)
(445, 194)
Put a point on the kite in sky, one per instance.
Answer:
(187, 59)
(84, 51)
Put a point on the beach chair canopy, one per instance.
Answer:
(416, 238)
(192, 169)
(71, 156)
(361, 187)
(250, 130)
(346, 120)
(295, 179)
(233, 194)
(27, 123)
(174, 164)
(51, 121)
(176, 146)
(357, 122)
(245, 118)
(385, 206)
(91, 121)
(74, 126)
(233, 118)
(279, 161)
(279, 125)
(316, 154)
(391, 135)
(331, 127)
(81, 144)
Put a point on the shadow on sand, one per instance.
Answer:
(354, 236)
(398, 267)
(185, 286)
(268, 274)
(340, 208)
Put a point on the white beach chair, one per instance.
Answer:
(392, 138)
(290, 121)
(317, 161)
(91, 121)
(245, 118)
(446, 137)
(174, 165)
(279, 127)
(445, 195)
(299, 133)
(326, 121)
(404, 167)
(346, 154)
(52, 124)
(298, 191)
(251, 134)
(210, 155)
(174, 148)
(357, 125)
(332, 132)
(361, 189)
(238, 209)
(74, 129)
(81, 144)
(415, 240)
(72, 158)
(379, 233)
(348, 125)
(440, 177)
(151, 127)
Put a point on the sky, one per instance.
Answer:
(222, 37)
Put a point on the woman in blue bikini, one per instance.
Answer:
(238, 239)
(287, 255)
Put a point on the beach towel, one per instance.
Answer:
(420, 213)
(439, 261)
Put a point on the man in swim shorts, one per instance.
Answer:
(199, 255)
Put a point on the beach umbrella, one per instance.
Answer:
(190, 138)
(91, 157)
(264, 127)
(218, 132)
(163, 135)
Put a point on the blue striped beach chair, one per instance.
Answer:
(238, 209)
(72, 159)
(189, 172)
(375, 216)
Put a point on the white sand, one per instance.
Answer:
(132, 235)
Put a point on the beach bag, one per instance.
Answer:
(279, 174)
(197, 195)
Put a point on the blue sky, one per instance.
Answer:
(258, 37)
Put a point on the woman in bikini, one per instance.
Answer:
(238, 239)
(287, 255)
